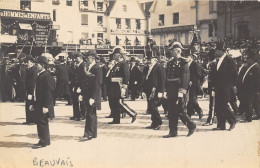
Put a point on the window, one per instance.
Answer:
(100, 6)
(84, 19)
(25, 5)
(124, 8)
(100, 20)
(70, 36)
(118, 23)
(100, 37)
(83, 5)
(69, 2)
(210, 30)
(176, 18)
(55, 2)
(127, 24)
(138, 24)
(161, 20)
(54, 15)
(169, 2)
(212, 6)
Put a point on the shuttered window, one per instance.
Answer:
(84, 19)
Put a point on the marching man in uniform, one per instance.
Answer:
(177, 85)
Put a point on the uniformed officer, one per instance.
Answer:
(119, 82)
(177, 85)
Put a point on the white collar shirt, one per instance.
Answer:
(220, 61)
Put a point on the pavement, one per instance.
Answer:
(125, 145)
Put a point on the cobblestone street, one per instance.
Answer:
(125, 145)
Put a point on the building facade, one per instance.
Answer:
(240, 19)
(172, 20)
(207, 20)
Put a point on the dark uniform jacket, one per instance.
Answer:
(80, 76)
(44, 94)
(225, 79)
(155, 79)
(120, 70)
(251, 82)
(177, 76)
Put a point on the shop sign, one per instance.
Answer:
(127, 31)
(172, 29)
(103, 46)
(41, 34)
(24, 15)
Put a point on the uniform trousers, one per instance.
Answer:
(175, 111)
(42, 126)
(78, 108)
(30, 115)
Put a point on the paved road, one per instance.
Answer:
(125, 145)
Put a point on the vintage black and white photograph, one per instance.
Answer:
(130, 83)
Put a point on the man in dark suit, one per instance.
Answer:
(226, 74)
(117, 86)
(136, 79)
(92, 85)
(154, 85)
(95, 69)
(30, 83)
(195, 78)
(78, 110)
(44, 101)
(104, 68)
(62, 86)
(177, 86)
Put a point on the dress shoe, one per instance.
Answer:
(171, 135)
(232, 126)
(109, 116)
(191, 130)
(68, 104)
(150, 127)
(85, 138)
(72, 118)
(218, 129)
(113, 122)
(157, 127)
(133, 118)
(82, 118)
(206, 124)
(256, 118)
(77, 119)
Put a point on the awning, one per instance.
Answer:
(25, 26)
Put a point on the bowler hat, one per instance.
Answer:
(92, 53)
(132, 59)
(42, 60)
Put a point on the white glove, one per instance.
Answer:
(45, 110)
(29, 97)
(123, 91)
(78, 90)
(135, 82)
(180, 94)
(73, 89)
(91, 101)
(160, 95)
(165, 95)
(31, 107)
(80, 98)
(213, 94)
